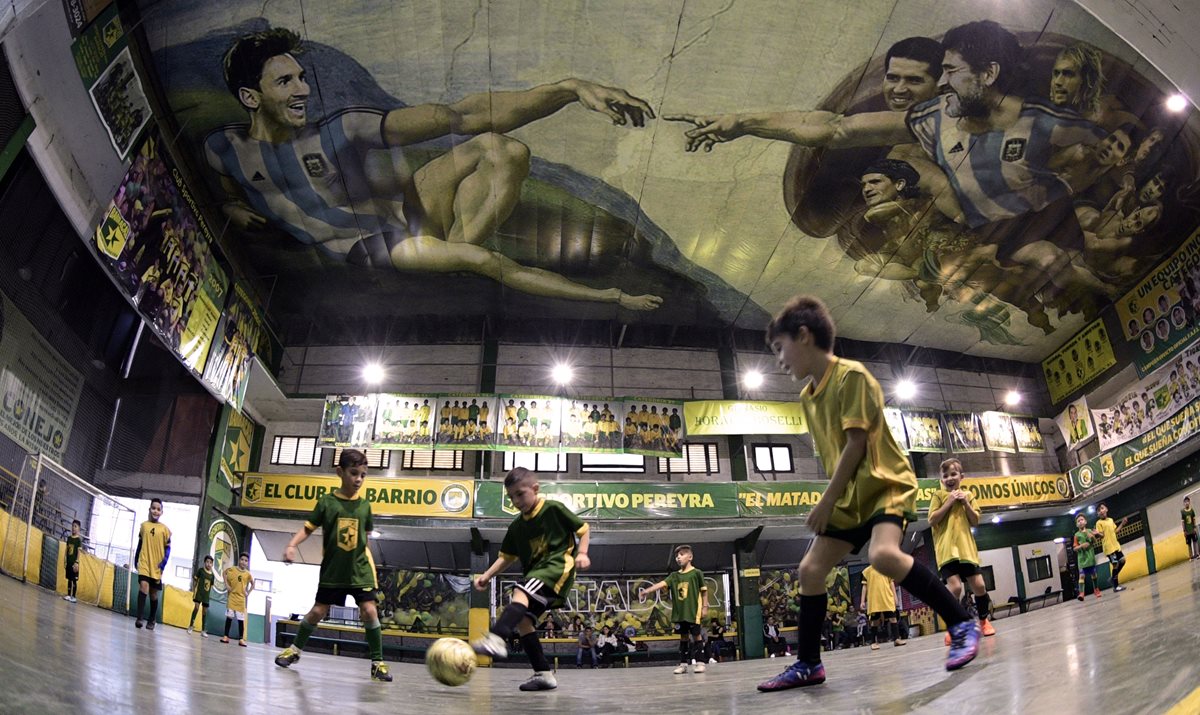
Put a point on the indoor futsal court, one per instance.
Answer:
(1134, 652)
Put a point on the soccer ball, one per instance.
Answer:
(450, 661)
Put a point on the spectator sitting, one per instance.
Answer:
(607, 645)
(576, 626)
(551, 628)
(716, 641)
(774, 639)
(587, 641)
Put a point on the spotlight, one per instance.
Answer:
(906, 389)
(996, 519)
(1013, 398)
(372, 373)
(562, 374)
(1177, 103)
(1091, 510)
(753, 379)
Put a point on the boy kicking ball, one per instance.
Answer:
(872, 490)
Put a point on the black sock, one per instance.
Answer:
(228, 623)
(698, 651)
(892, 632)
(242, 628)
(508, 620)
(921, 583)
(192, 620)
(684, 649)
(983, 606)
(812, 617)
(533, 648)
(1117, 572)
(141, 605)
(153, 609)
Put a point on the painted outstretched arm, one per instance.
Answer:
(502, 112)
(807, 128)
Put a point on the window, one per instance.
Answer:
(631, 463)
(769, 458)
(376, 458)
(447, 459)
(299, 451)
(1038, 568)
(264, 585)
(698, 458)
(183, 572)
(989, 577)
(536, 461)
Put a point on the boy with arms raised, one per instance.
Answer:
(202, 584)
(347, 569)
(1107, 529)
(872, 489)
(153, 550)
(689, 602)
(543, 537)
(951, 515)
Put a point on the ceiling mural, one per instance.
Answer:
(983, 182)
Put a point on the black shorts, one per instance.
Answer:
(542, 598)
(71, 573)
(687, 628)
(1088, 571)
(861, 534)
(883, 615)
(1116, 556)
(198, 602)
(1191, 538)
(155, 584)
(337, 596)
(961, 569)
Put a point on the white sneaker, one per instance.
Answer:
(698, 668)
(67, 599)
(204, 634)
(772, 655)
(712, 661)
(493, 645)
(74, 600)
(190, 629)
(544, 680)
(680, 669)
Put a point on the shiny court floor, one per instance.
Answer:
(1134, 652)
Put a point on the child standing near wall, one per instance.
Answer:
(689, 602)
(1188, 515)
(74, 545)
(202, 584)
(1085, 554)
(240, 583)
(153, 551)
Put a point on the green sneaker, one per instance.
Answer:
(379, 671)
(287, 657)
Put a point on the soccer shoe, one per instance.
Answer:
(1118, 589)
(986, 627)
(699, 668)
(140, 623)
(899, 642)
(379, 671)
(1080, 598)
(492, 645)
(712, 661)
(224, 639)
(242, 642)
(680, 669)
(149, 625)
(287, 657)
(190, 628)
(204, 634)
(964, 644)
(875, 646)
(798, 675)
(544, 680)
(67, 599)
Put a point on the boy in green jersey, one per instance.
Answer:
(543, 537)
(347, 568)
(202, 583)
(689, 602)
(1085, 554)
(1188, 515)
(74, 544)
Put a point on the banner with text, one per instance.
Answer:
(102, 56)
(1159, 314)
(1080, 361)
(619, 500)
(439, 498)
(720, 417)
(1151, 401)
(39, 390)
(1112, 464)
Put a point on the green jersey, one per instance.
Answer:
(345, 523)
(687, 595)
(74, 544)
(204, 584)
(544, 541)
(1189, 520)
(1087, 555)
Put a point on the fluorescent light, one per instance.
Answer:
(1091, 510)
(906, 389)
(372, 373)
(562, 373)
(996, 519)
(1177, 103)
(1061, 540)
(753, 379)
(1013, 398)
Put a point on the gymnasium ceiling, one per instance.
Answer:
(721, 237)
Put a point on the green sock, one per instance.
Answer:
(375, 643)
(306, 630)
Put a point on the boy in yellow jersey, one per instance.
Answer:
(951, 515)
(153, 550)
(1107, 528)
(71, 563)
(879, 603)
(544, 537)
(347, 569)
(202, 583)
(689, 602)
(872, 490)
(240, 583)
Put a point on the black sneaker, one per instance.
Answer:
(149, 625)
(139, 623)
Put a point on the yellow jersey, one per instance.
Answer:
(952, 539)
(239, 582)
(881, 592)
(153, 543)
(1108, 533)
